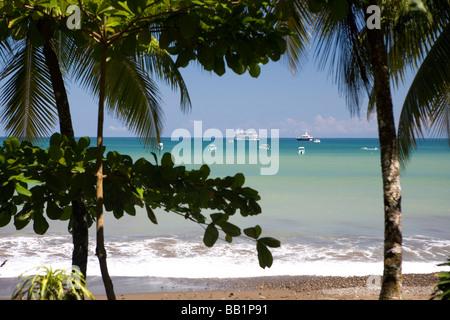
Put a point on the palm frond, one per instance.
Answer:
(341, 46)
(426, 103)
(131, 96)
(134, 98)
(26, 95)
(298, 44)
(157, 62)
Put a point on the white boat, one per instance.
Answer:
(212, 147)
(301, 150)
(316, 140)
(250, 134)
(305, 137)
(160, 146)
(369, 149)
(264, 146)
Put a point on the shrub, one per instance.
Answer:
(52, 285)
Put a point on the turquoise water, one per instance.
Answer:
(325, 206)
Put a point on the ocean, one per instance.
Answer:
(325, 206)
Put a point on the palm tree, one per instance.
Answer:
(363, 62)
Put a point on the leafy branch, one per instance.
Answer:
(36, 184)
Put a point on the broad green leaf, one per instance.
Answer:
(40, 225)
(22, 190)
(254, 70)
(238, 182)
(230, 229)
(6, 212)
(55, 152)
(166, 160)
(270, 242)
(54, 212)
(265, 257)
(22, 218)
(83, 142)
(211, 235)
(66, 214)
(151, 214)
(11, 144)
(253, 232)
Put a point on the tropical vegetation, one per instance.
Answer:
(115, 32)
(138, 38)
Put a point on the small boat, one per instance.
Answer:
(305, 137)
(212, 147)
(301, 150)
(369, 149)
(316, 140)
(160, 146)
(264, 146)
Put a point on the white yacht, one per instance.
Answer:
(250, 134)
(305, 137)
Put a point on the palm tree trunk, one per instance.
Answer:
(100, 251)
(80, 228)
(391, 287)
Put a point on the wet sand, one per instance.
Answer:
(415, 287)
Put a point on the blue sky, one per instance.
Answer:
(293, 104)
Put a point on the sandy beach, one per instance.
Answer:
(415, 287)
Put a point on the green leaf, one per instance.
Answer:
(11, 144)
(66, 213)
(151, 214)
(211, 235)
(22, 190)
(40, 225)
(254, 70)
(22, 218)
(254, 232)
(230, 229)
(270, 242)
(166, 160)
(6, 212)
(83, 143)
(55, 140)
(54, 212)
(55, 152)
(264, 255)
(238, 182)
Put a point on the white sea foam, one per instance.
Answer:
(189, 258)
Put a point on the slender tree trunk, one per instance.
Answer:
(100, 251)
(80, 228)
(391, 287)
